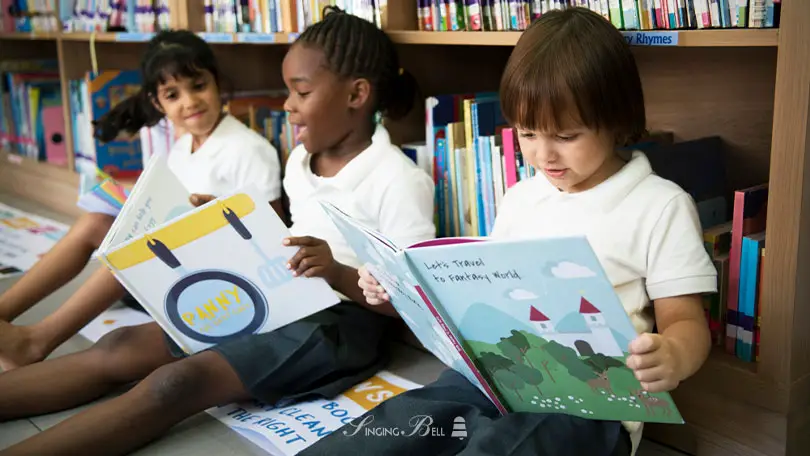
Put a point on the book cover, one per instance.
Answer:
(212, 273)
(534, 324)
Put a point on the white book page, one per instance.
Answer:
(158, 196)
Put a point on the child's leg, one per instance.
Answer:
(425, 419)
(323, 354)
(23, 345)
(59, 266)
(120, 357)
(169, 395)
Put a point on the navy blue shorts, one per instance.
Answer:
(322, 355)
(452, 417)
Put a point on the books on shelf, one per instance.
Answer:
(207, 274)
(534, 324)
(503, 15)
(133, 16)
(293, 16)
(32, 122)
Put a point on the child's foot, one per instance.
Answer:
(18, 347)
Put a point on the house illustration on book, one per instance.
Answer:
(600, 339)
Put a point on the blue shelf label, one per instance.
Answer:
(255, 37)
(133, 37)
(292, 37)
(651, 38)
(216, 37)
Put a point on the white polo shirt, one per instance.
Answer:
(644, 230)
(233, 156)
(381, 188)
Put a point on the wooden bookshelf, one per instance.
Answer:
(686, 38)
(751, 87)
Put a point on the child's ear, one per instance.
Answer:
(359, 93)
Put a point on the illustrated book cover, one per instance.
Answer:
(534, 324)
(210, 274)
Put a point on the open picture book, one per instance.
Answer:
(534, 324)
(208, 274)
(100, 193)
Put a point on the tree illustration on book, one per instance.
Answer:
(534, 374)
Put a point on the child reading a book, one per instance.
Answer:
(573, 92)
(340, 72)
(217, 154)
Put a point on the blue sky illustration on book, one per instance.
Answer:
(554, 288)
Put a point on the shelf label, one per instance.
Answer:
(133, 37)
(292, 37)
(216, 37)
(255, 38)
(651, 38)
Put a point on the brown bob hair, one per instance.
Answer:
(574, 66)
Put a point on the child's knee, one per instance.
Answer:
(92, 227)
(117, 341)
(176, 384)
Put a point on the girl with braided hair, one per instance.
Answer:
(340, 73)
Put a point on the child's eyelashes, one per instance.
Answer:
(566, 138)
(303, 94)
(557, 137)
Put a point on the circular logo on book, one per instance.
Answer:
(214, 306)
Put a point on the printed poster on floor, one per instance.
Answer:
(24, 239)
(289, 429)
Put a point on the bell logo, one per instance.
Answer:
(459, 428)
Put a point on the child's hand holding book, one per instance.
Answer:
(313, 259)
(374, 292)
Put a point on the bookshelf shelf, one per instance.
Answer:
(29, 36)
(685, 38)
(749, 86)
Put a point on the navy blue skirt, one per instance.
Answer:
(452, 417)
(322, 355)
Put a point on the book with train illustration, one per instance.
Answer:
(534, 324)
(210, 274)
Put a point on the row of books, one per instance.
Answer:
(738, 250)
(493, 15)
(276, 16)
(31, 116)
(144, 16)
(28, 16)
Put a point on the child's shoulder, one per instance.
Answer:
(656, 192)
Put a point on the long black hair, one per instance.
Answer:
(356, 48)
(170, 54)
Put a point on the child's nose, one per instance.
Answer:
(288, 105)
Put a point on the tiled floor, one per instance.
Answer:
(200, 435)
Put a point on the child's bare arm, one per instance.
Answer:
(682, 321)
(661, 361)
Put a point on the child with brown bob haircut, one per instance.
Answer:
(572, 90)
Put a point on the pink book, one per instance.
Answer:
(53, 120)
(510, 162)
(750, 210)
(6, 19)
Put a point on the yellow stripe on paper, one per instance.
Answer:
(183, 231)
(373, 392)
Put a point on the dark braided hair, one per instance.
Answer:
(170, 54)
(356, 48)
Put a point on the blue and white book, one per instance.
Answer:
(534, 324)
